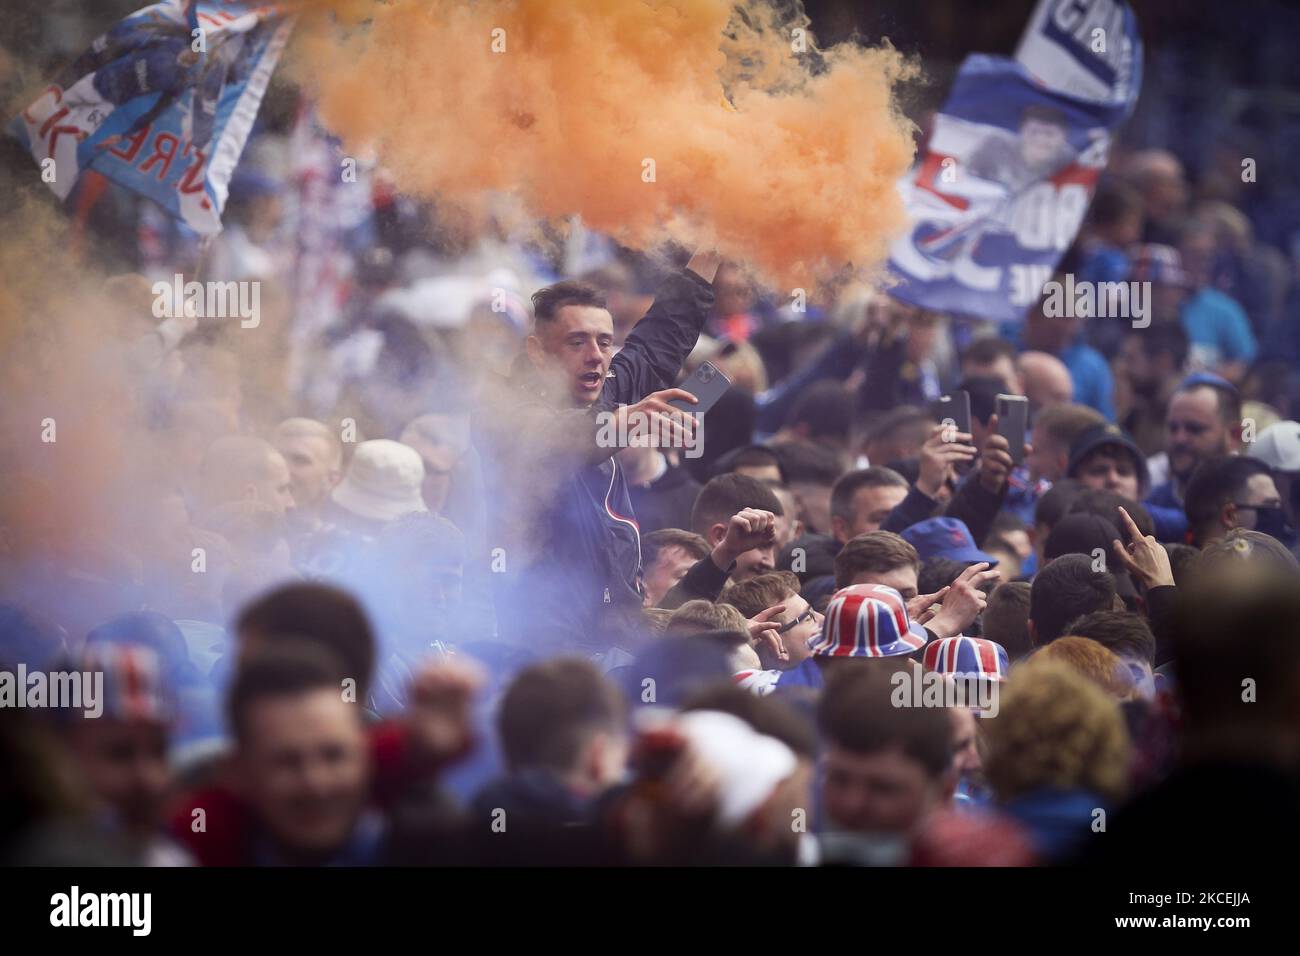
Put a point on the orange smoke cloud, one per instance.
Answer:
(616, 111)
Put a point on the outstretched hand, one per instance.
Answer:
(964, 601)
(762, 627)
(1145, 557)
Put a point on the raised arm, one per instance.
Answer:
(657, 346)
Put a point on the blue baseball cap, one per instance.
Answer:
(945, 538)
(1196, 379)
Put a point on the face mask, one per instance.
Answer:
(1273, 522)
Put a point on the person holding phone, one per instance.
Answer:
(563, 537)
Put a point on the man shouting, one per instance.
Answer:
(564, 542)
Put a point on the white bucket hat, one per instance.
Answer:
(383, 481)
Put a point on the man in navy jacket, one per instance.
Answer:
(563, 537)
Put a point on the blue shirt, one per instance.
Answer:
(804, 674)
(1167, 513)
(1093, 384)
(1023, 494)
(1217, 329)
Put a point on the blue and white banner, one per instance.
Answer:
(1012, 162)
(1088, 49)
(161, 104)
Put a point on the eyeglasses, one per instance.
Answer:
(807, 615)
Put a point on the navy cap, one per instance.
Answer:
(945, 538)
(1100, 436)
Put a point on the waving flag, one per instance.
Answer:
(161, 104)
(1013, 160)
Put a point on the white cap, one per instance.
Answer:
(383, 481)
(1278, 446)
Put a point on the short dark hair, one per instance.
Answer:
(850, 483)
(1056, 501)
(1125, 633)
(1216, 482)
(1005, 618)
(318, 613)
(1167, 338)
(896, 419)
(749, 456)
(1182, 560)
(826, 408)
(1106, 504)
(809, 462)
(727, 495)
(937, 573)
(1229, 399)
(1007, 522)
(1066, 588)
(876, 552)
(550, 710)
(290, 668)
(657, 541)
(548, 302)
(856, 713)
(1114, 200)
(987, 350)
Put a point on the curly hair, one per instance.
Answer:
(1057, 730)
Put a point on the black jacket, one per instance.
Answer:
(569, 559)
(667, 501)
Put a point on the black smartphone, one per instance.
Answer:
(955, 408)
(1013, 420)
(707, 384)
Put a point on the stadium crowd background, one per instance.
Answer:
(328, 467)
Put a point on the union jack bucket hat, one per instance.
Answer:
(868, 620)
(967, 657)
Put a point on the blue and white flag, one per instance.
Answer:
(1013, 160)
(161, 104)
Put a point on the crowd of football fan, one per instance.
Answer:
(415, 608)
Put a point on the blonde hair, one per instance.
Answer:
(656, 619)
(1057, 730)
(701, 615)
